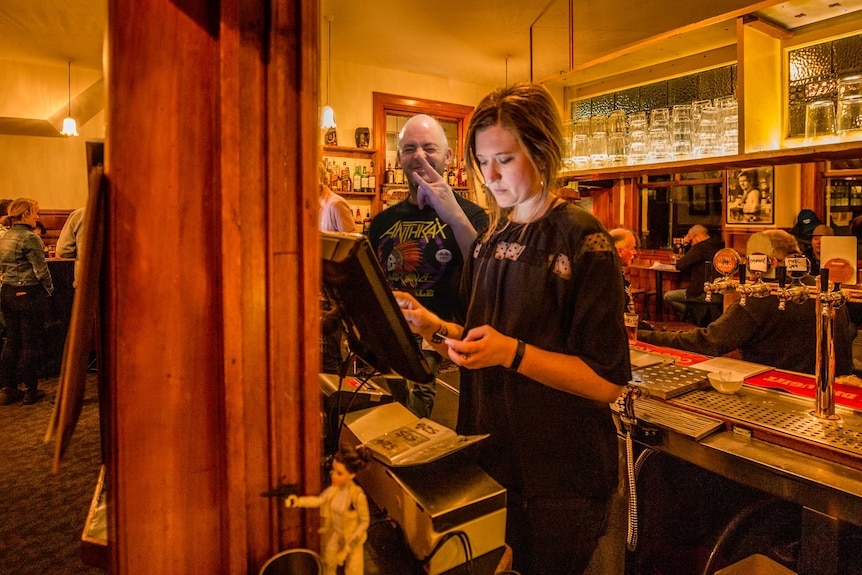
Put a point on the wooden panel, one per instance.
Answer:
(210, 312)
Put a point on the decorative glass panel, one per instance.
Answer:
(682, 90)
(653, 96)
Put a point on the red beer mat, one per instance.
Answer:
(680, 357)
(804, 386)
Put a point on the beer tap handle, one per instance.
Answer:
(824, 279)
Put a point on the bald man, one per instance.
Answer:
(422, 241)
(697, 261)
(626, 244)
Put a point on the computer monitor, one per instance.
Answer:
(374, 324)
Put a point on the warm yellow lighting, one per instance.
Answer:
(70, 128)
(327, 118)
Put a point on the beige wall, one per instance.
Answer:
(352, 90)
(51, 170)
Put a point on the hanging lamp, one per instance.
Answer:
(327, 115)
(70, 127)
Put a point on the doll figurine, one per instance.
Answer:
(344, 514)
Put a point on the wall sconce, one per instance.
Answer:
(70, 128)
(327, 115)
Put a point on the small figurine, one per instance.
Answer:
(344, 513)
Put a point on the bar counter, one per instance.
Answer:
(766, 441)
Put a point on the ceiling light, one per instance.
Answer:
(327, 115)
(70, 128)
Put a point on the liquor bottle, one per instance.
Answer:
(366, 222)
(462, 174)
(365, 179)
(399, 173)
(390, 174)
(334, 177)
(357, 179)
(452, 179)
(372, 179)
(346, 182)
(358, 219)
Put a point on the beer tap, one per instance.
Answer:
(758, 264)
(725, 262)
(828, 302)
(797, 266)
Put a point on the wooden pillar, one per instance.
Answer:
(210, 310)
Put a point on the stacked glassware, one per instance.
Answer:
(704, 128)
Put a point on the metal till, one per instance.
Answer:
(783, 414)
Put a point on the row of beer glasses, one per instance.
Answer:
(700, 129)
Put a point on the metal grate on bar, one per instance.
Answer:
(781, 414)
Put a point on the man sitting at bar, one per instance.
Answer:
(697, 261)
(626, 245)
(784, 339)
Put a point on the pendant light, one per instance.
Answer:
(70, 128)
(327, 116)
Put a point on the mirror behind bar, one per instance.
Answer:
(376, 330)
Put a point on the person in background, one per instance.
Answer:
(855, 230)
(543, 349)
(335, 212)
(4, 209)
(813, 253)
(626, 245)
(72, 235)
(806, 221)
(335, 216)
(785, 339)
(697, 262)
(26, 285)
(749, 183)
(423, 240)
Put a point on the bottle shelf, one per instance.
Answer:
(348, 152)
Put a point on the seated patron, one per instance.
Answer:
(626, 245)
(785, 339)
(813, 253)
(697, 261)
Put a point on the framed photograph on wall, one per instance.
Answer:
(751, 197)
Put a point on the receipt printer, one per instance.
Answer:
(435, 504)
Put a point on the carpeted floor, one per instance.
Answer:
(42, 515)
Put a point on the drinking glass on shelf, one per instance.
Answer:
(681, 129)
(598, 149)
(581, 147)
(709, 132)
(638, 144)
(659, 119)
(729, 113)
(598, 124)
(660, 148)
(617, 148)
(617, 122)
(849, 115)
(819, 120)
(568, 148)
(582, 126)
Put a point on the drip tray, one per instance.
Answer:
(783, 414)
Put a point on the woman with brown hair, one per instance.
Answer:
(26, 285)
(543, 349)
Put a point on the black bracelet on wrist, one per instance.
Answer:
(519, 355)
(440, 334)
